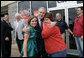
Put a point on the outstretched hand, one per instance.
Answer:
(52, 24)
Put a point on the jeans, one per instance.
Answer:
(59, 54)
(79, 44)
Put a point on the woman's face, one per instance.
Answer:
(33, 22)
(47, 20)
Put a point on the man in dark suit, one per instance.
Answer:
(6, 36)
(39, 27)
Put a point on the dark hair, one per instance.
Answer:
(81, 8)
(5, 14)
(31, 17)
(49, 15)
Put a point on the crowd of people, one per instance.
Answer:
(42, 35)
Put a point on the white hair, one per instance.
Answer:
(17, 14)
(42, 8)
(58, 14)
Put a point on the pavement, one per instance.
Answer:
(15, 51)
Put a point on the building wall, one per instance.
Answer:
(4, 3)
(12, 10)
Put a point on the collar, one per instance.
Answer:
(59, 20)
(39, 19)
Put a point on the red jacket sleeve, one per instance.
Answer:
(82, 26)
(47, 32)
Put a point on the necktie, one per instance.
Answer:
(41, 25)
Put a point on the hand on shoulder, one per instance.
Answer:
(52, 24)
(26, 29)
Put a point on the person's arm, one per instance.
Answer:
(70, 31)
(11, 27)
(25, 29)
(6, 32)
(24, 22)
(81, 37)
(66, 27)
(25, 26)
(82, 29)
(47, 32)
(26, 37)
(52, 24)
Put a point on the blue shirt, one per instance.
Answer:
(62, 25)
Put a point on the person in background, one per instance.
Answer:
(18, 26)
(6, 37)
(78, 31)
(62, 25)
(29, 48)
(54, 43)
(25, 15)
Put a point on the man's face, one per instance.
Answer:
(79, 11)
(18, 17)
(33, 22)
(6, 17)
(47, 20)
(58, 17)
(41, 13)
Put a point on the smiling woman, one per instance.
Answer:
(29, 48)
(54, 44)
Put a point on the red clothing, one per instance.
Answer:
(78, 26)
(26, 19)
(41, 25)
(53, 40)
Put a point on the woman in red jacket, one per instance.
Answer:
(54, 43)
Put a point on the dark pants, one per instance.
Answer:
(19, 43)
(42, 53)
(41, 49)
(6, 48)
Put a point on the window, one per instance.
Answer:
(23, 5)
(37, 4)
(62, 12)
(51, 4)
(79, 2)
(72, 15)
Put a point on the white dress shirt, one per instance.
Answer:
(17, 23)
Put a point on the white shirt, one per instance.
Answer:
(39, 20)
(17, 23)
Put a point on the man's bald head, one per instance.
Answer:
(58, 16)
